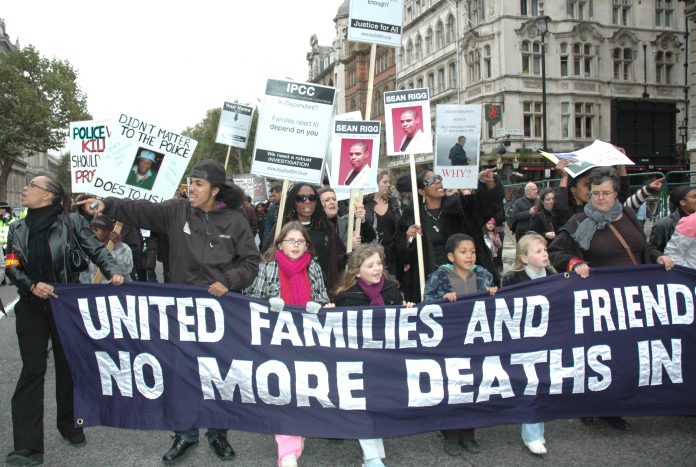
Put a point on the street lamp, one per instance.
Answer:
(542, 27)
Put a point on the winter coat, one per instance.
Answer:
(356, 297)
(267, 282)
(682, 245)
(515, 277)
(664, 228)
(439, 285)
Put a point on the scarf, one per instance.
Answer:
(38, 221)
(595, 220)
(373, 291)
(295, 288)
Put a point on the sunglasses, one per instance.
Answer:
(305, 198)
(431, 180)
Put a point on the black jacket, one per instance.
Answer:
(515, 277)
(203, 247)
(520, 217)
(356, 297)
(58, 239)
(663, 229)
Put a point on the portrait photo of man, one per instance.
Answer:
(409, 136)
(144, 170)
(457, 154)
(359, 158)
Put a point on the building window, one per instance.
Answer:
(419, 83)
(564, 58)
(409, 52)
(419, 47)
(664, 11)
(582, 59)
(565, 119)
(531, 58)
(410, 84)
(439, 35)
(409, 14)
(529, 7)
(531, 112)
(429, 41)
(474, 62)
(487, 68)
(474, 11)
(451, 36)
(441, 85)
(664, 62)
(351, 76)
(417, 8)
(452, 75)
(431, 82)
(623, 61)
(621, 12)
(584, 117)
(580, 9)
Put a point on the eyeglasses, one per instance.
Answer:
(293, 242)
(431, 180)
(34, 185)
(305, 198)
(602, 194)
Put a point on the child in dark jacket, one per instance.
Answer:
(450, 281)
(531, 262)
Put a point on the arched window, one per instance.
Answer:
(441, 84)
(419, 47)
(487, 67)
(409, 52)
(439, 35)
(664, 63)
(623, 63)
(531, 58)
(452, 69)
(450, 29)
(429, 41)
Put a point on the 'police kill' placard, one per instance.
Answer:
(293, 131)
(234, 125)
(88, 141)
(376, 22)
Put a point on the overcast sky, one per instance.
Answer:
(169, 62)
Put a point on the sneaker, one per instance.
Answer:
(543, 441)
(536, 447)
(376, 462)
(289, 461)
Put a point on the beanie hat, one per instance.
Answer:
(147, 155)
(679, 193)
(403, 183)
(102, 222)
(210, 170)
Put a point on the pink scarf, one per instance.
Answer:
(295, 288)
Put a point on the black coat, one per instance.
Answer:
(515, 277)
(356, 297)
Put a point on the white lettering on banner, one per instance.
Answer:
(480, 328)
(343, 329)
(633, 307)
(312, 381)
(122, 374)
(651, 366)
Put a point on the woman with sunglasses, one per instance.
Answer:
(442, 217)
(301, 205)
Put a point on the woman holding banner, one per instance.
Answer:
(382, 212)
(606, 233)
(442, 217)
(38, 257)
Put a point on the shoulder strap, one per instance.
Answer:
(621, 240)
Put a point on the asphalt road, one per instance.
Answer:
(664, 441)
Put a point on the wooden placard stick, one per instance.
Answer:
(416, 213)
(351, 220)
(227, 158)
(281, 208)
(370, 81)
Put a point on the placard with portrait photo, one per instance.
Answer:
(408, 123)
(355, 155)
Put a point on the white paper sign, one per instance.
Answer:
(293, 131)
(407, 119)
(253, 186)
(457, 145)
(355, 155)
(234, 125)
(597, 154)
(88, 141)
(142, 161)
(376, 22)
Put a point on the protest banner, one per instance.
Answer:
(597, 154)
(457, 145)
(142, 161)
(376, 22)
(253, 185)
(151, 356)
(407, 120)
(293, 131)
(355, 154)
(88, 141)
(234, 125)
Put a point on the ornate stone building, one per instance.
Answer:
(614, 70)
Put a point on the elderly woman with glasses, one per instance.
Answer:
(442, 216)
(596, 238)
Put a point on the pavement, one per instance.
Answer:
(651, 441)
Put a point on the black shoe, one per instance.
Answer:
(618, 423)
(450, 442)
(178, 449)
(24, 457)
(76, 439)
(587, 420)
(222, 448)
(468, 441)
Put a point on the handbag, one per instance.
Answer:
(78, 261)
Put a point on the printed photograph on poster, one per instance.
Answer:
(88, 141)
(234, 125)
(376, 22)
(457, 144)
(142, 161)
(341, 193)
(293, 131)
(408, 123)
(254, 186)
(355, 154)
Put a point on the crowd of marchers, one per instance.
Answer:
(211, 235)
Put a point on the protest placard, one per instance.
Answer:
(407, 120)
(457, 145)
(376, 22)
(597, 154)
(293, 131)
(355, 154)
(88, 141)
(234, 125)
(142, 161)
(254, 186)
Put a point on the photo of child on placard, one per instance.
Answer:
(356, 162)
(410, 136)
(144, 168)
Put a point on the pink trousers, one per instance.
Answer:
(289, 445)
